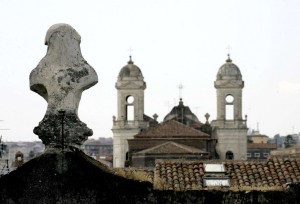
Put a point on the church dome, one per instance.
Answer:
(183, 114)
(130, 70)
(229, 71)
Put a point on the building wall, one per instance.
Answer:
(259, 138)
(137, 145)
(141, 144)
(120, 145)
(234, 140)
(258, 154)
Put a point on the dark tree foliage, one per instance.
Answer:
(289, 141)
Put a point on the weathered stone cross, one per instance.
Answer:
(60, 78)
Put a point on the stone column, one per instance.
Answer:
(60, 78)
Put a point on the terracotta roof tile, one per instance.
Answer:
(179, 176)
(188, 175)
(171, 128)
(270, 173)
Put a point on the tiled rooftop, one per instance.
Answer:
(171, 128)
(184, 175)
(178, 175)
(274, 172)
(172, 148)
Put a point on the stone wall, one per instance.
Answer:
(73, 177)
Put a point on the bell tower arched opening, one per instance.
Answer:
(229, 155)
(229, 107)
(129, 108)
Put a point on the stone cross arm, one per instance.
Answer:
(63, 74)
(60, 78)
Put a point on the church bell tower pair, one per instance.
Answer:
(229, 128)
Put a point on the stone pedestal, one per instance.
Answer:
(56, 131)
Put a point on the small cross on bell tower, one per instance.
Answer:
(228, 48)
(180, 87)
(207, 118)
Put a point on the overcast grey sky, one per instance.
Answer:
(173, 42)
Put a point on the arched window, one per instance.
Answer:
(229, 155)
(127, 156)
(229, 111)
(129, 99)
(229, 98)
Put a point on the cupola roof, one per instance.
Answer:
(183, 114)
(229, 71)
(130, 70)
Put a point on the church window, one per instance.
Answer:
(229, 155)
(229, 112)
(129, 99)
(229, 98)
(127, 156)
(229, 108)
(130, 112)
(129, 108)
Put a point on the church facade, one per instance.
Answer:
(139, 139)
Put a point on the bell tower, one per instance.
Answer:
(230, 129)
(130, 117)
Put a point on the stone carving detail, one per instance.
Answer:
(229, 84)
(60, 78)
(130, 85)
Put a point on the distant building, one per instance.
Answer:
(28, 149)
(15, 154)
(260, 151)
(258, 147)
(100, 149)
(4, 159)
(290, 149)
(291, 152)
(278, 140)
(256, 137)
(3, 150)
